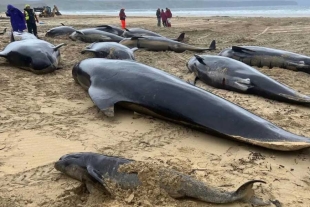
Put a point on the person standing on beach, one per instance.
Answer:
(17, 18)
(158, 17)
(169, 16)
(31, 19)
(163, 18)
(122, 17)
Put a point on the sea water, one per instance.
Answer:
(284, 11)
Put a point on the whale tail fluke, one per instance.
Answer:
(246, 194)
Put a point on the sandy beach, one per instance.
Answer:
(43, 117)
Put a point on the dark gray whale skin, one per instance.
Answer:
(264, 56)
(111, 29)
(91, 168)
(226, 73)
(92, 35)
(111, 50)
(60, 31)
(120, 82)
(35, 55)
(151, 43)
(135, 32)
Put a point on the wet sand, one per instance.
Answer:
(46, 116)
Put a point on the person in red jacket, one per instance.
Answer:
(169, 16)
(122, 17)
(163, 17)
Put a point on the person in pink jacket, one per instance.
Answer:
(163, 18)
(169, 16)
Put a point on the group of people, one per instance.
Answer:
(19, 20)
(164, 17)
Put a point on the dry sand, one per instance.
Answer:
(46, 116)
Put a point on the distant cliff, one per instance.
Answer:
(104, 5)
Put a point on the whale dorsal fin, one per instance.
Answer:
(241, 49)
(200, 59)
(107, 26)
(127, 30)
(62, 24)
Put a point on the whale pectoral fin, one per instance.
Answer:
(95, 174)
(2, 54)
(243, 84)
(296, 64)
(134, 49)
(59, 46)
(200, 59)
(240, 49)
(103, 98)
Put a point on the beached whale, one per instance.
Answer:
(17, 36)
(91, 168)
(59, 31)
(110, 50)
(135, 32)
(162, 44)
(37, 56)
(226, 73)
(92, 35)
(151, 91)
(263, 56)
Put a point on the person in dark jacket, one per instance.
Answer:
(158, 17)
(163, 18)
(122, 17)
(169, 16)
(17, 18)
(31, 19)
